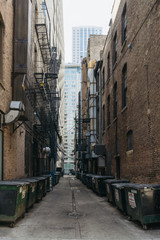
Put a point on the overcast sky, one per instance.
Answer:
(84, 13)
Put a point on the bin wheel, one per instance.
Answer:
(129, 218)
(12, 225)
(145, 226)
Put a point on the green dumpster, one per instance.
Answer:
(100, 187)
(109, 188)
(49, 182)
(32, 190)
(143, 203)
(57, 177)
(41, 188)
(13, 198)
(119, 196)
(89, 180)
(84, 178)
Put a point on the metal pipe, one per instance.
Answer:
(100, 108)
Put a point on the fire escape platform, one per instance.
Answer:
(44, 44)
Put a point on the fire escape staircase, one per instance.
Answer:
(41, 89)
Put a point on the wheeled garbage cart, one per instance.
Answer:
(32, 191)
(41, 188)
(13, 198)
(100, 187)
(119, 196)
(143, 203)
(109, 188)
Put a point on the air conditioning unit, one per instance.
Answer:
(100, 149)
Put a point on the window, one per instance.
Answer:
(115, 49)
(129, 140)
(103, 78)
(124, 25)
(108, 67)
(108, 111)
(115, 101)
(103, 117)
(124, 86)
(1, 50)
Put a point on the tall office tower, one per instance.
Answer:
(80, 37)
(71, 88)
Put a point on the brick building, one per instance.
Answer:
(88, 91)
(29, 71)
(130, 92)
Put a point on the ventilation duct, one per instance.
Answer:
(16, 112)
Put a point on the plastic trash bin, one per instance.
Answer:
(32, 191)
(143, 203)
(13, 198)
(100, 187)
(109, 188)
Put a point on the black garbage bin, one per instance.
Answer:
(143, 203)
(100, 187)
(109, 188)
(13, 199)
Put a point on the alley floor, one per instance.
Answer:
(71, 211)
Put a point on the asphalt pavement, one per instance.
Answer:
(71, 211)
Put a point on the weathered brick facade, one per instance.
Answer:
(135, 122)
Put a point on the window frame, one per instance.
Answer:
(115, 48)
(124, 24)
(108, 111)
(124, 86)
(115, 101)
(108, 67)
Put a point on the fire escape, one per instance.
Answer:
(41, 89)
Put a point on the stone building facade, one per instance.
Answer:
(130, 92)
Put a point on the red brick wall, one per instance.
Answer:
(142, 113)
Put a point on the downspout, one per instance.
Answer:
(100, 106)
(92, 106)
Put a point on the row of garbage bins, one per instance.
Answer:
(17, 196)
(141, 202)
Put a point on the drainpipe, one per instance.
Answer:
(100, 107)
(92, 106)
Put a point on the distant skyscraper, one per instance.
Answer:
(80, 37)
(71, 88)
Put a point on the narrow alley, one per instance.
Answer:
(71, 211)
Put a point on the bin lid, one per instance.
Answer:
(39, 178)
(90, 175)
(29, 180)
(116, 181)
(13, 183)
(104, 177)
(120, 185)
(143, 186)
